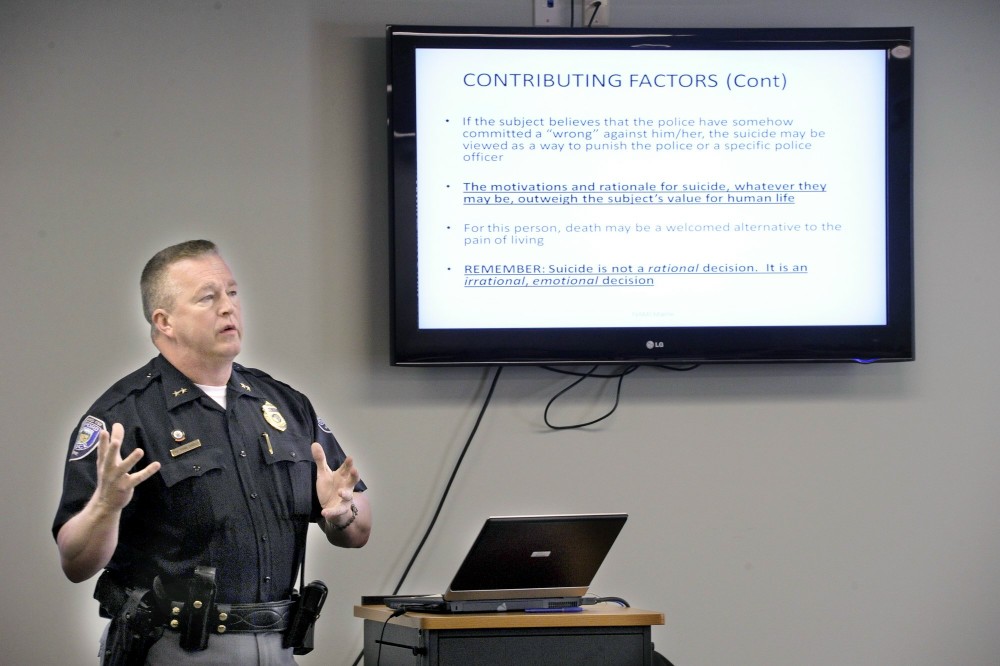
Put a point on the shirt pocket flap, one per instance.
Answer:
(285, 456)
(189, 465)
(281, 448)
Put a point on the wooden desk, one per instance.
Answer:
(602, 635)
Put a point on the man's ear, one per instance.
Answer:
(162, 322)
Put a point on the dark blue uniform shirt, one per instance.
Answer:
(237, 487)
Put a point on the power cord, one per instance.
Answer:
(620, 376)
(451, 479)
(593, 14)
(444, 496)
(381, 636)
(590, 599)
(679, 368)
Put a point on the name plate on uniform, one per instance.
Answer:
(184, 448)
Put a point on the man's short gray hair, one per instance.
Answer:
(152, 284)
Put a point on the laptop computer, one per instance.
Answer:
(529, 563)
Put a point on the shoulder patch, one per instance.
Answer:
(323, 426)
(87, 437)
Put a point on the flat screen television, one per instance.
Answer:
(650, 196)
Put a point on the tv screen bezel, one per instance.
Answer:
(412, 346)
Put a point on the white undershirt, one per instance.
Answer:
(216, 393)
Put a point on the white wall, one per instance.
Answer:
(781, 515)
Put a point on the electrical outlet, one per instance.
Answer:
(552, 13)
(596, 13)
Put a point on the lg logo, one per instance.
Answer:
(650, 344)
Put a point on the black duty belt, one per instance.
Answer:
(239, 618)
(140, 615)
(201, 615)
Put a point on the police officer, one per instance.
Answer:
(195, 462)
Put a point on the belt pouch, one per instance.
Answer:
(197, 610)
(305, 612)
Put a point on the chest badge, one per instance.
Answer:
(273, 416)
(178, 435)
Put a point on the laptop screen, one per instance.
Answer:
(535, 556)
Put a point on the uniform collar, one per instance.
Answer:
(242, 384)
(178, 389)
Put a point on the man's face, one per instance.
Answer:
(204, 320)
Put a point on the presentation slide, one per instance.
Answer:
(650, 188)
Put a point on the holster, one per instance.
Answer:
(195, 615)
(305, 612)
(134, 623)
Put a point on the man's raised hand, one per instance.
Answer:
(115, 483)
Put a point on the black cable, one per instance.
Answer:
(451, 479)
(381, 636)
(590, 373)
(615, 600)
(632, 368)
(593, 15)
(675, 368)
(444, 495)
(620, 375)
